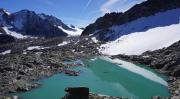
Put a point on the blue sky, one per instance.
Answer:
(76, 12)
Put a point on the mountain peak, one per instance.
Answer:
(27, 22)
(3, 11)
(145, 9)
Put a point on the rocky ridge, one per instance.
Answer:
(147, 8)
(30, 23)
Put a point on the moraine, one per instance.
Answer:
(105, 76)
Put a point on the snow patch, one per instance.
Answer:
(24, 52)
(36, 48)
(93, 59)
(139, 42)
(77, 31)
(94, 39)
(138, 70)
(14, 34)
(5, 52)
(63, 43)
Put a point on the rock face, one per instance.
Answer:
(30, 23)
(4, 18)
(4, 39)
(145, 9)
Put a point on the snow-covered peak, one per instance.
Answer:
(19, 18)
(3, 11)
(26, 22)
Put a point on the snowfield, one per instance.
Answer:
(77, 31)
(144, 34)
(5, 52)
(63, 43)
(14, 34)
(36, 48)
(143, 24)
(139, 42)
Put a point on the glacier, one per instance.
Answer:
(164, 30)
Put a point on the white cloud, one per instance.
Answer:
(123, 5)
(87, 5)
(105, 6)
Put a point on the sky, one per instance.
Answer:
(76, 12)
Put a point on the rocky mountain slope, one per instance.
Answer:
(25, 61)
(28, 23)
(102, 28)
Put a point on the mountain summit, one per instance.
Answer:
(29, 23)
(102, 27)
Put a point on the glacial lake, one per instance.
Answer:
(105, 77)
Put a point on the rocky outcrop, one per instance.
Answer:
(147, 8)
(2, 30)
(4, 39)
(77, 93)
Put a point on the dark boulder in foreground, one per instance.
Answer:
(83, 93)
(77, 93)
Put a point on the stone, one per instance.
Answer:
(77, 93)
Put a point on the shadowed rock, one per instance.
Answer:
(77, 93)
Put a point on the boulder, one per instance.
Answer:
(77, 93)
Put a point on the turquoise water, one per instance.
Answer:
(102, 77)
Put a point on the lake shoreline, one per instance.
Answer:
(20, 70)
(84, 49)
(173, 82)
